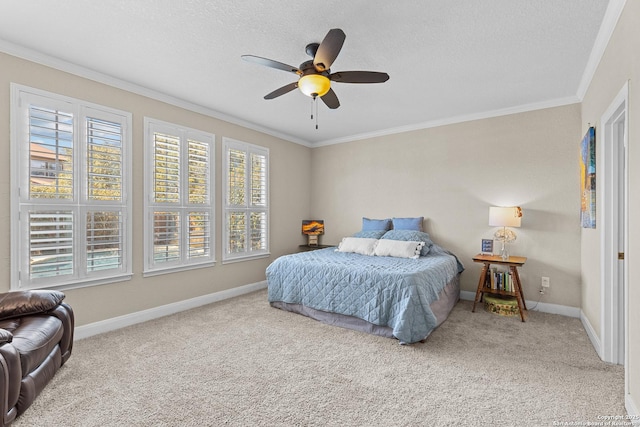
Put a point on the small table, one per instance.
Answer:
(484, 284)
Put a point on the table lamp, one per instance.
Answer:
(313, 228)
(505, 217)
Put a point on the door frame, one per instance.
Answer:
(613, 297)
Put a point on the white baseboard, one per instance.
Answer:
(591, 333)
(114, 323)
(543, 307)
(632, 410)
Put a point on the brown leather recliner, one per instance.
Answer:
(36, 337)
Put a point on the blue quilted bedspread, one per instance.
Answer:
(386, 291)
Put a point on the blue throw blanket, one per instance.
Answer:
(386, 291)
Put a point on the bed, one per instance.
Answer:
(405, 298)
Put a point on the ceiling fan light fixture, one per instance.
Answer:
(314, 85)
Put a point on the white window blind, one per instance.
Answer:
(70, 214)
(51, 147)
(246, 200)
(105, 246)
(166, 236)
(51, 244)
(104, 160)
(179, 179)
(166, 164)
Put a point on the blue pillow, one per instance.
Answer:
(375, 224)
(413, 236)
(370, 234)
(408, 223)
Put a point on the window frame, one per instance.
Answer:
(183, 208)
(79, 204)
(248, 254)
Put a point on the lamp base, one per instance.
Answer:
(504, 253)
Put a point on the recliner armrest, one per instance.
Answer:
(23, 303)
(5, 336)
(64, 312)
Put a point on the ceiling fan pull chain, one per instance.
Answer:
(313, 101)
(316, 102)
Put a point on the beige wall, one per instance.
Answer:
(620, 64)
(289, 179)
(452, 174)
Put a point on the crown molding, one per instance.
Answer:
(453, 120)
(609, 22)
(77, 70)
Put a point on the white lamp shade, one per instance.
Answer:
(505, 217)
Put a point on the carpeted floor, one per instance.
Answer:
(242, 363)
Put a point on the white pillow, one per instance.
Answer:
(398, 248)
(358, 245)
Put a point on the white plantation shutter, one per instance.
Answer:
(199, 172)
(166, 237)
(51, 148)
(180, 204)
(258, 180)
(105, 245)
(51, 244)
(166, 163)
(246, 200)
(72, 214)
(258, 230)
(236, 232)
(199, 235)
(258, 218)
(236, 177)
(105, 176)
(104, 160)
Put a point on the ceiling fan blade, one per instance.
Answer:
(359, 77)
(330, 99)
(329, 49)
(271, 63)
(281, 91)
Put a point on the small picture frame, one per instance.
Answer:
(487, 246)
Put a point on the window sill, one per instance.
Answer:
(246, 258)
(80, 284)
(176, 269)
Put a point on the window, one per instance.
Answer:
(70, 206)
(179, 207)
(246, 210)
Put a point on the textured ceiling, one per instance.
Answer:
(446, 59)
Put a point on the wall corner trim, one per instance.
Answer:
(609, 22)
(591, 333)
(632, 410)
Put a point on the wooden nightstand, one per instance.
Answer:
(484, 284)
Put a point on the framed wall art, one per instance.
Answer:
(588, 179)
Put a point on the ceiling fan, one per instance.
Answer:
(315, 75)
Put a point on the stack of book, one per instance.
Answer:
(500, 280)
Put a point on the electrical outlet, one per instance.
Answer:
(545, 282)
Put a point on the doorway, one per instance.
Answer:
(614, 230)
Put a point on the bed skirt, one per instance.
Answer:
(441, 308)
